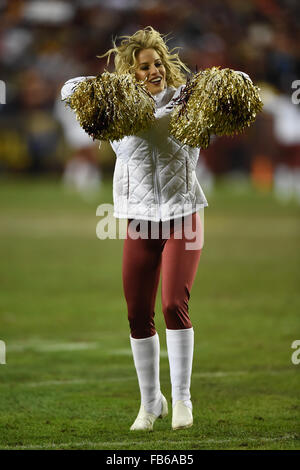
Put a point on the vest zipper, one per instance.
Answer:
(156, 184)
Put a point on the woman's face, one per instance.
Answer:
(151, 69)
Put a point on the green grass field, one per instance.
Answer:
(69, 380)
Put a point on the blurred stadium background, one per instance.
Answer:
(69, 380)
(44, 43)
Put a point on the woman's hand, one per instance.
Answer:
(109, 106)
(215, 101)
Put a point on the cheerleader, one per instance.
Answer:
(155, 187)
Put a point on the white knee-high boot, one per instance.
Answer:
(146, 352)
(180, 345)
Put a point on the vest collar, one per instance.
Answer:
(163, 98)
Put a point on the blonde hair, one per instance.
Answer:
(147, 38)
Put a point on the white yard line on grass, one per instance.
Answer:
(44, 346)
(218, 374)
(76, 381)
(130, 443)
(48, 346)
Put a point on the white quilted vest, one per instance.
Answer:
(154, 177)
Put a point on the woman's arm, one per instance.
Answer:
(215, 101)
(109, 106)
(70, 86)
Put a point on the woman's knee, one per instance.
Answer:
(141, 323)
(176, 314)
(140, 330)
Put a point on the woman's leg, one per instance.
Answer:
(141, 271)
(179, 268)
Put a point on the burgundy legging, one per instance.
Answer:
(143, 259)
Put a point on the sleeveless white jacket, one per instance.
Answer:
(154, 177)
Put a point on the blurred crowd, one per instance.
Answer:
(44, 43)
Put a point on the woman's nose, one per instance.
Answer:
(152, 70)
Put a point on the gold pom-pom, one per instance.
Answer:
(215, 101)
(111, 106)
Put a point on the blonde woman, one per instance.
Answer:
(155, 183)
